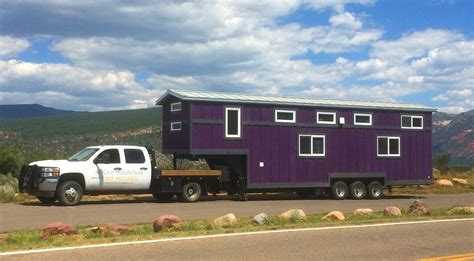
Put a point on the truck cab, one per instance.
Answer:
(92, 170)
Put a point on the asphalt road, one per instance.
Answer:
(33, 215)
(398, 242)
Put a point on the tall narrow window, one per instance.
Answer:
(412, 122)
(176, 106)
(388, 146)
(312, 145)
(326, 117)
(232, 122)
(285, 116)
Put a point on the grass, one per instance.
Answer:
(30, 239)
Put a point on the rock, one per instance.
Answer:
(392, 211)
(461, 181)
(363, 211)
(419, 208)
(113, 229)
(444, 182)
(166, 221)
(226, 220)
(260, 219)
(462, 210)
(334, 215)
(3, 238)
(58, 229)
(293, 215)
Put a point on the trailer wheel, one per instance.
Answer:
(69, 193)
(375, 190)
(47, 201)
(339, 190)
(358, 190)
(191, 192)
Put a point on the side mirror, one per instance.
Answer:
(96, 161)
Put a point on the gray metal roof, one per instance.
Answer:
(292, 101)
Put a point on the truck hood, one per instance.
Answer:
(51, 163)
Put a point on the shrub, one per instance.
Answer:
(441, 161)
(10, 160)
(8, 187)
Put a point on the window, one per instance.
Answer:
(232, 122)
(176, 106)
(285, 116)
(312, 145)
(134, 156)
(326, 117)
(362, 119)
(176, 126)
(412, 122)
(110, 156)
(388, 146)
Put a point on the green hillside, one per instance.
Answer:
(60, 136)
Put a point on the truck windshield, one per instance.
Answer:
(83, 154)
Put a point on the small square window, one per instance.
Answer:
(312, 145)
(412, 122)
(285, 116)
(175, 126)
(388, 146)
(326, 117)
(362, 119)
(176, 106)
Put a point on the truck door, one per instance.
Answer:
(108, 170)
(137, 169)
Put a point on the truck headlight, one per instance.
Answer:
(49, 172)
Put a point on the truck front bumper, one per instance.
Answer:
(31, 182)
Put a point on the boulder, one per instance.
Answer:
(338, 215)
(444, 182)
(293, 215)
(392, 211)
(462, 210)
(113, 229)
(363, 211)
(3, 238)
(260, 219)
(419, 208)
(166, 222)
(226, 220)
(460, 181)
(57, 229)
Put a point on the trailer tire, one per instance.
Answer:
(46, 201)
(69, 193)
(191, 192)
(375, 190)
(339, 190)
(358, 190)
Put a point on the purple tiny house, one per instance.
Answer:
(306, 145)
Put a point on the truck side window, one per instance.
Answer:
(134, 156)
(110, 156)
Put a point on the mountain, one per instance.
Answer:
(454, 134)
(28, 110)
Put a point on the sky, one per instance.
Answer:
(94, 55)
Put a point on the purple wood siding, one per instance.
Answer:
(348, 149)
(175, 140)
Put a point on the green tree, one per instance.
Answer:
(441, 161)
(10, 160)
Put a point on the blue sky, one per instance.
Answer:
(107, 55)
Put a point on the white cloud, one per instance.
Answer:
(345, 19)
(10, 46)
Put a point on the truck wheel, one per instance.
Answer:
(69, 193)
(375, 190)
(357, 190)
(47, 201)
(191, 192)
(339, 190)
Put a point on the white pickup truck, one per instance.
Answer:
(112, 169)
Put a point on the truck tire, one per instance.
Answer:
(339, 190)
(46, 201)
(69, 193)
(191, 192)
(375, 190)
(358, 190)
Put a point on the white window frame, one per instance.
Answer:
(175, 103)
(388, 146)
(312, 154)
(327, 113)
(176, 123)
(363, 123)
(239, 121)
(285, 111)
(411, 121)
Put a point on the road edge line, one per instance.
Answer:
(34, 251)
